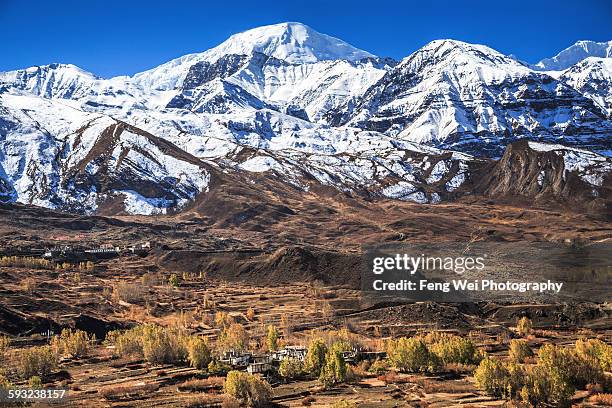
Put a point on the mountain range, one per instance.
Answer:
(289, 104)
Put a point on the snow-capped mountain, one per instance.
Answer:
(55, 156)
(593, 78)
(575, 54)
(471, 98)
(286, 102)
(294, 43)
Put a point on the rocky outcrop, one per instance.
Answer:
(545, 174)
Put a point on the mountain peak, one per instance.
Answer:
(290, 41)
(293, 42)
(448, 46)
(575, 53)
(451, 55)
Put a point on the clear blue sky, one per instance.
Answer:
(116, 37)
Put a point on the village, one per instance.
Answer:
(266, 363)
(78, 253)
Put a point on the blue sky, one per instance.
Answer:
(124, 37)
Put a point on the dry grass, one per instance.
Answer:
(604, 400)
(127, 392)
(203, 385)
(392, 378)
(451, 387)
(129, 292)
(29, 285)
(205, 401)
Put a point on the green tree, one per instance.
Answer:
(456, 349)
(216, 367)
(234, 337)
(524, 326)
(249, 389)
(519, 350)
(38, 361)
(198, 352)
(315, 357)
(272, 338)
(597, 350)
(291, 368)
(335, 368)
(495, 378)
(411, 355)
(173, 280)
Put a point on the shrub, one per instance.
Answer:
(519, 350)
(5, 344)
(247, 388)
(161, 345)
(73, 344)
(315, 357)
(250, 314)
(199, 354)
(456, 350)
(524, 326)
(379, 367)
(411, 355)
(127, 343)
(216, 367)
(343, 404)
(595, 349)
(173, 280)
(546, 385)
(570, 366)
(150, 279)
(129, 292)
(35, 382)
(502, 380)
(29, 285)
(334, 371)
(291, 368)
(272, 338)
(39, 361)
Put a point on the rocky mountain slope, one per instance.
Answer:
(59, 157)
(471, 98)
(285, 101)
(543, 173)
(593, 78)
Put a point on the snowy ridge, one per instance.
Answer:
(289, 102)
(468, 97)
(593, 78)
(574, 54)
(58, 157)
